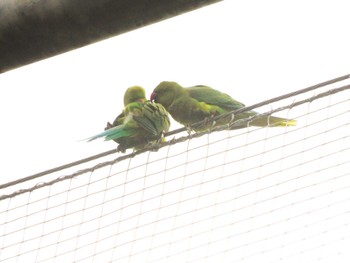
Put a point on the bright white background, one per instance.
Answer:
(253, 50)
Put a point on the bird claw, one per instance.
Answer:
(209, 123)
(173, 140)
(121, 149)
(153, 146)
(188, 129)
(231, 122)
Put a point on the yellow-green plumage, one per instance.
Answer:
(140, 123)
(198, 103)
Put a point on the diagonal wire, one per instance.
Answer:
(181, 139)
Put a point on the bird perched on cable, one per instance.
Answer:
(199, 103)
(141, 122)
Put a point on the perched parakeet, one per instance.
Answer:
(140, 123)
(198, 103)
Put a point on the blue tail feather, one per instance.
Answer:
(111, 134)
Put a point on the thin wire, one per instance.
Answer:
(244, 109)
(210, 193)
(266, 102)
(161, 145)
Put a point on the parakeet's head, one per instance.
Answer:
(134, 94)
(166, 92)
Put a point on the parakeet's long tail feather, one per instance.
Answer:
(272, 121)
(113, 133)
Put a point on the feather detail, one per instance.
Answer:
(199, 103)
(113, 133)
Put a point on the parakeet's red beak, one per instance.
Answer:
(153, 96)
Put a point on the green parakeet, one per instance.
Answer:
(140, 123)
(198, 103)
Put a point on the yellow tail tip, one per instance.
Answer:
(285, 123)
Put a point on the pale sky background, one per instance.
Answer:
(269, 195)
(253, 50)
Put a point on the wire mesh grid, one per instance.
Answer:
(248, 195)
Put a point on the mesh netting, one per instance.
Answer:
(248, 195)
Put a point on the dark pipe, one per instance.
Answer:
(32, 30)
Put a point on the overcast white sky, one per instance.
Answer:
(253, 50)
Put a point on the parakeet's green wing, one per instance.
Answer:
(153, 119)
(163, 121)
(211, 96)
(140, 123)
